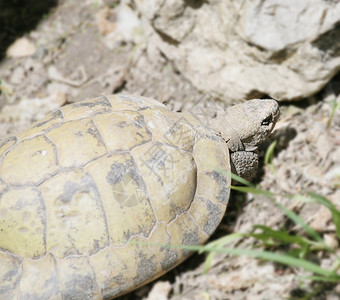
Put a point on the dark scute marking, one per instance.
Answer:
(189, 238)
(139, 122)
(24, 202)
(116, 176)
(7, 288)
(15, 273)
(96, 245)
(223, 193)
(70, 188)
(80, 287)
(50, 289)
(87, 185)
(122, 124)
(146, 267)
(118, 170)
(170, 259)
(109, 292)
(20, 204)
(214, 217)
(157, 157)
(95, 133)
(102, 101)
(128, 233)
(176, 210)
(139, 134)
(55, 115)
(79, 133)
(141, 229)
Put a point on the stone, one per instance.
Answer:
(22, 47)
(17, 76)
(236, 49)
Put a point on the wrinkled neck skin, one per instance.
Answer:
(244, 127)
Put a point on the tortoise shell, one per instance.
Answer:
(88, 191)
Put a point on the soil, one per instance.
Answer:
(80, 50)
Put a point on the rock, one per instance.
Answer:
(17, 75)
(104, 24)
(331, 240)
(321, 219)
(119, 25)
(21, 48)
(18, 116)
(244, 49)
(160, 291)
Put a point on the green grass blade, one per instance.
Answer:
(234, 177)
(312, 197)
(320, 278)
(270, 256)
(252, 190)
(265, 255)
(334, 107)
(268, 158)
(289, 213)
(335, 212)
(208, 261)
(284, 259)
(282, 236)
(221, 242)
(210, 247)
(299, 221)
(315, 198)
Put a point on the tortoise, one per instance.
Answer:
(86, 192)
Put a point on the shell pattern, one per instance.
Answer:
(88, 192)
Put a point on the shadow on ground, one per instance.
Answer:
(18, 17)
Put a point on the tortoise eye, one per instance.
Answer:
(267, 121)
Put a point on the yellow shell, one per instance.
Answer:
(88, 191)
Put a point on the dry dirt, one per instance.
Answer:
(79, 50)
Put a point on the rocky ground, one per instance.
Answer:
(85, 48)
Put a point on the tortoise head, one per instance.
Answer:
(244, 127)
